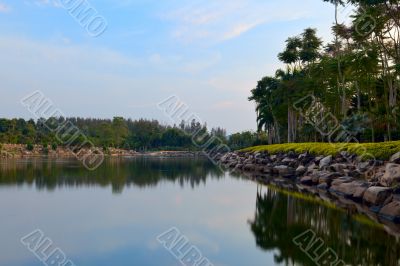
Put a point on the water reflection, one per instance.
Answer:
(190, 194)
(117, 172)
(280, 217)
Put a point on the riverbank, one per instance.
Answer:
(369, 185)
(21, 151)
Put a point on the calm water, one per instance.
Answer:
(112, 216)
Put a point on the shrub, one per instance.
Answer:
(380, 150)
(29, 147)
(54, 146)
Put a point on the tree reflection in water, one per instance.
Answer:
(280, 217)
(117, 172)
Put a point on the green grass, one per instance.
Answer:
(379, 150)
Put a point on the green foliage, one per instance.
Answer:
(354, 80)
(245, 139)
(54, 146)
(382, 150)
(141, 135)
(29, 147)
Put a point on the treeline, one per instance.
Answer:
(139, 135)
(348, 87)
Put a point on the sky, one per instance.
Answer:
(210, 54)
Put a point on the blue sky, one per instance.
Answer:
(209, 53)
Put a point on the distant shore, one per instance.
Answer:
(21, 151)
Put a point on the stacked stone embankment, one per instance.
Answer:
(372, 184)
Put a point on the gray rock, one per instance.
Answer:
(343, 179)
(312, 166)
(248, 161)
(376, 195)
(249, 167)
(328, 177)
(239, 166)
(323, 186)
(318, 159)
(284, 170)
(338, 167)
(355, 189)
(302, 156)
(306, 180)
(395, 158)
(344, 154)
(301, 170)
(267, 169)
(363, 166)
(325, 162)
(225, 158)
(232, 164)
(287, 161)
(391, 176)
(391, 211)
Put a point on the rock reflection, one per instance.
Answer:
(280, 217)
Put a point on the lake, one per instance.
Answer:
(135, 211)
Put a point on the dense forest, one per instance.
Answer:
(139, 135)
(347, 85)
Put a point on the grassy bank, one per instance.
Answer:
(380, 150)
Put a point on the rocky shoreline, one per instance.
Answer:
(368, 187)
(18, 151)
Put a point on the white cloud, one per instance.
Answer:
(222, 20)
(40, 3)
(4, 8)
(240, 29)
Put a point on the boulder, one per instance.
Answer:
(391, 176)
(239, 166)
(305, 158)
(312, 166)
(315, 179)
(287, 160)
(232, 164)
(391, 211)
(376, 195)
(338, 167)
(343, 179)
(323, 186)
(325, 162)
(248, 161)
(395, 158)
(249, 167)
(267, 169)
(344, 154)
(318, 159)
(284, 170)
(355, 189)
(328, 177)
(363, 166)
(301, 170)
(225, 158)
(306, 180)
